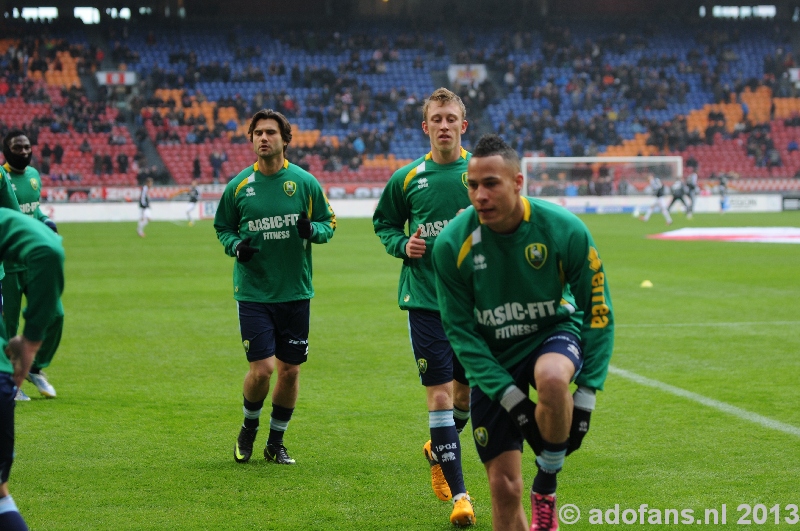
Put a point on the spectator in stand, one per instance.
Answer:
(97, 166)
(85, 147)
(196, 169)
(58, 153)
(46, 153)
(108, 165)
(122, 163)
(792, 146)
(217, 159)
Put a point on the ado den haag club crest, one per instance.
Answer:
(464, 180)
(290, 187)
(536, 255)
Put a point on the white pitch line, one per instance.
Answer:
(683, 325)
(710, 402)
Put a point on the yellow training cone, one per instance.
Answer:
(646, 284)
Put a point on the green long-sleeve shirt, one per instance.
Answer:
(265, 208)
(32, 244)
(501, 295)
(7, 200)
(27, 187)
(427, 195)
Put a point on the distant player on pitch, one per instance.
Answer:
(267, 218)
(524, 301)
(659, 190)
(427, 194)
(194, 197)
(144, 207)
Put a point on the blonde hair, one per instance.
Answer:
(443, 96)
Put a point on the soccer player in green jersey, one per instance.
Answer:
(267, 217)
(524, 301)
(27, 186)
(28, 242)
(426, 195)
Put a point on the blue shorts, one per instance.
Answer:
(493, 429)
(275, 329)
(436, 362)
(7, 393)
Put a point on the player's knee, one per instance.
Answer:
(288, 373)
(261, 372)
(440, 397)
(506, 488)
(551, 386)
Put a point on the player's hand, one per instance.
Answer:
(244, 252)
(415, 246)
(20, 352)
(523, 412)
(304, 226)
(584, 400)
(52, 224)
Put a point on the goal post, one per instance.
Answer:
(556, 176)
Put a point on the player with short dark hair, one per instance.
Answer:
(27, 186)
(267, 217)
(524, 300)
(426, 195)
(28, 242)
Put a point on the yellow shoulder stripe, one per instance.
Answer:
(465, 248)
(527, 206)
(244, 183)
(464, 153)
(413, 173)
(408, 178)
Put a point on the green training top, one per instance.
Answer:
(27, 188)
(422, 194)
(7, 200)
(266, 208)
(32, 243)
(501, 295)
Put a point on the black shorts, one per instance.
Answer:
(436, 362)
(493, 429)
(7, 393)
(275, 329)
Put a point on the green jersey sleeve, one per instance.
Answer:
(323, 219)
(391, 216)
(585, 274)
(226, 220)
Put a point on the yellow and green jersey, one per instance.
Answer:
(266, 208)
(427, 195)
(27, 187)
(502, 295)
(31, 243)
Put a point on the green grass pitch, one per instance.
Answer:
(150, 370)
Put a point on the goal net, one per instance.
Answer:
(560, 176)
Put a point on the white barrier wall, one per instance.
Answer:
(363, 208)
